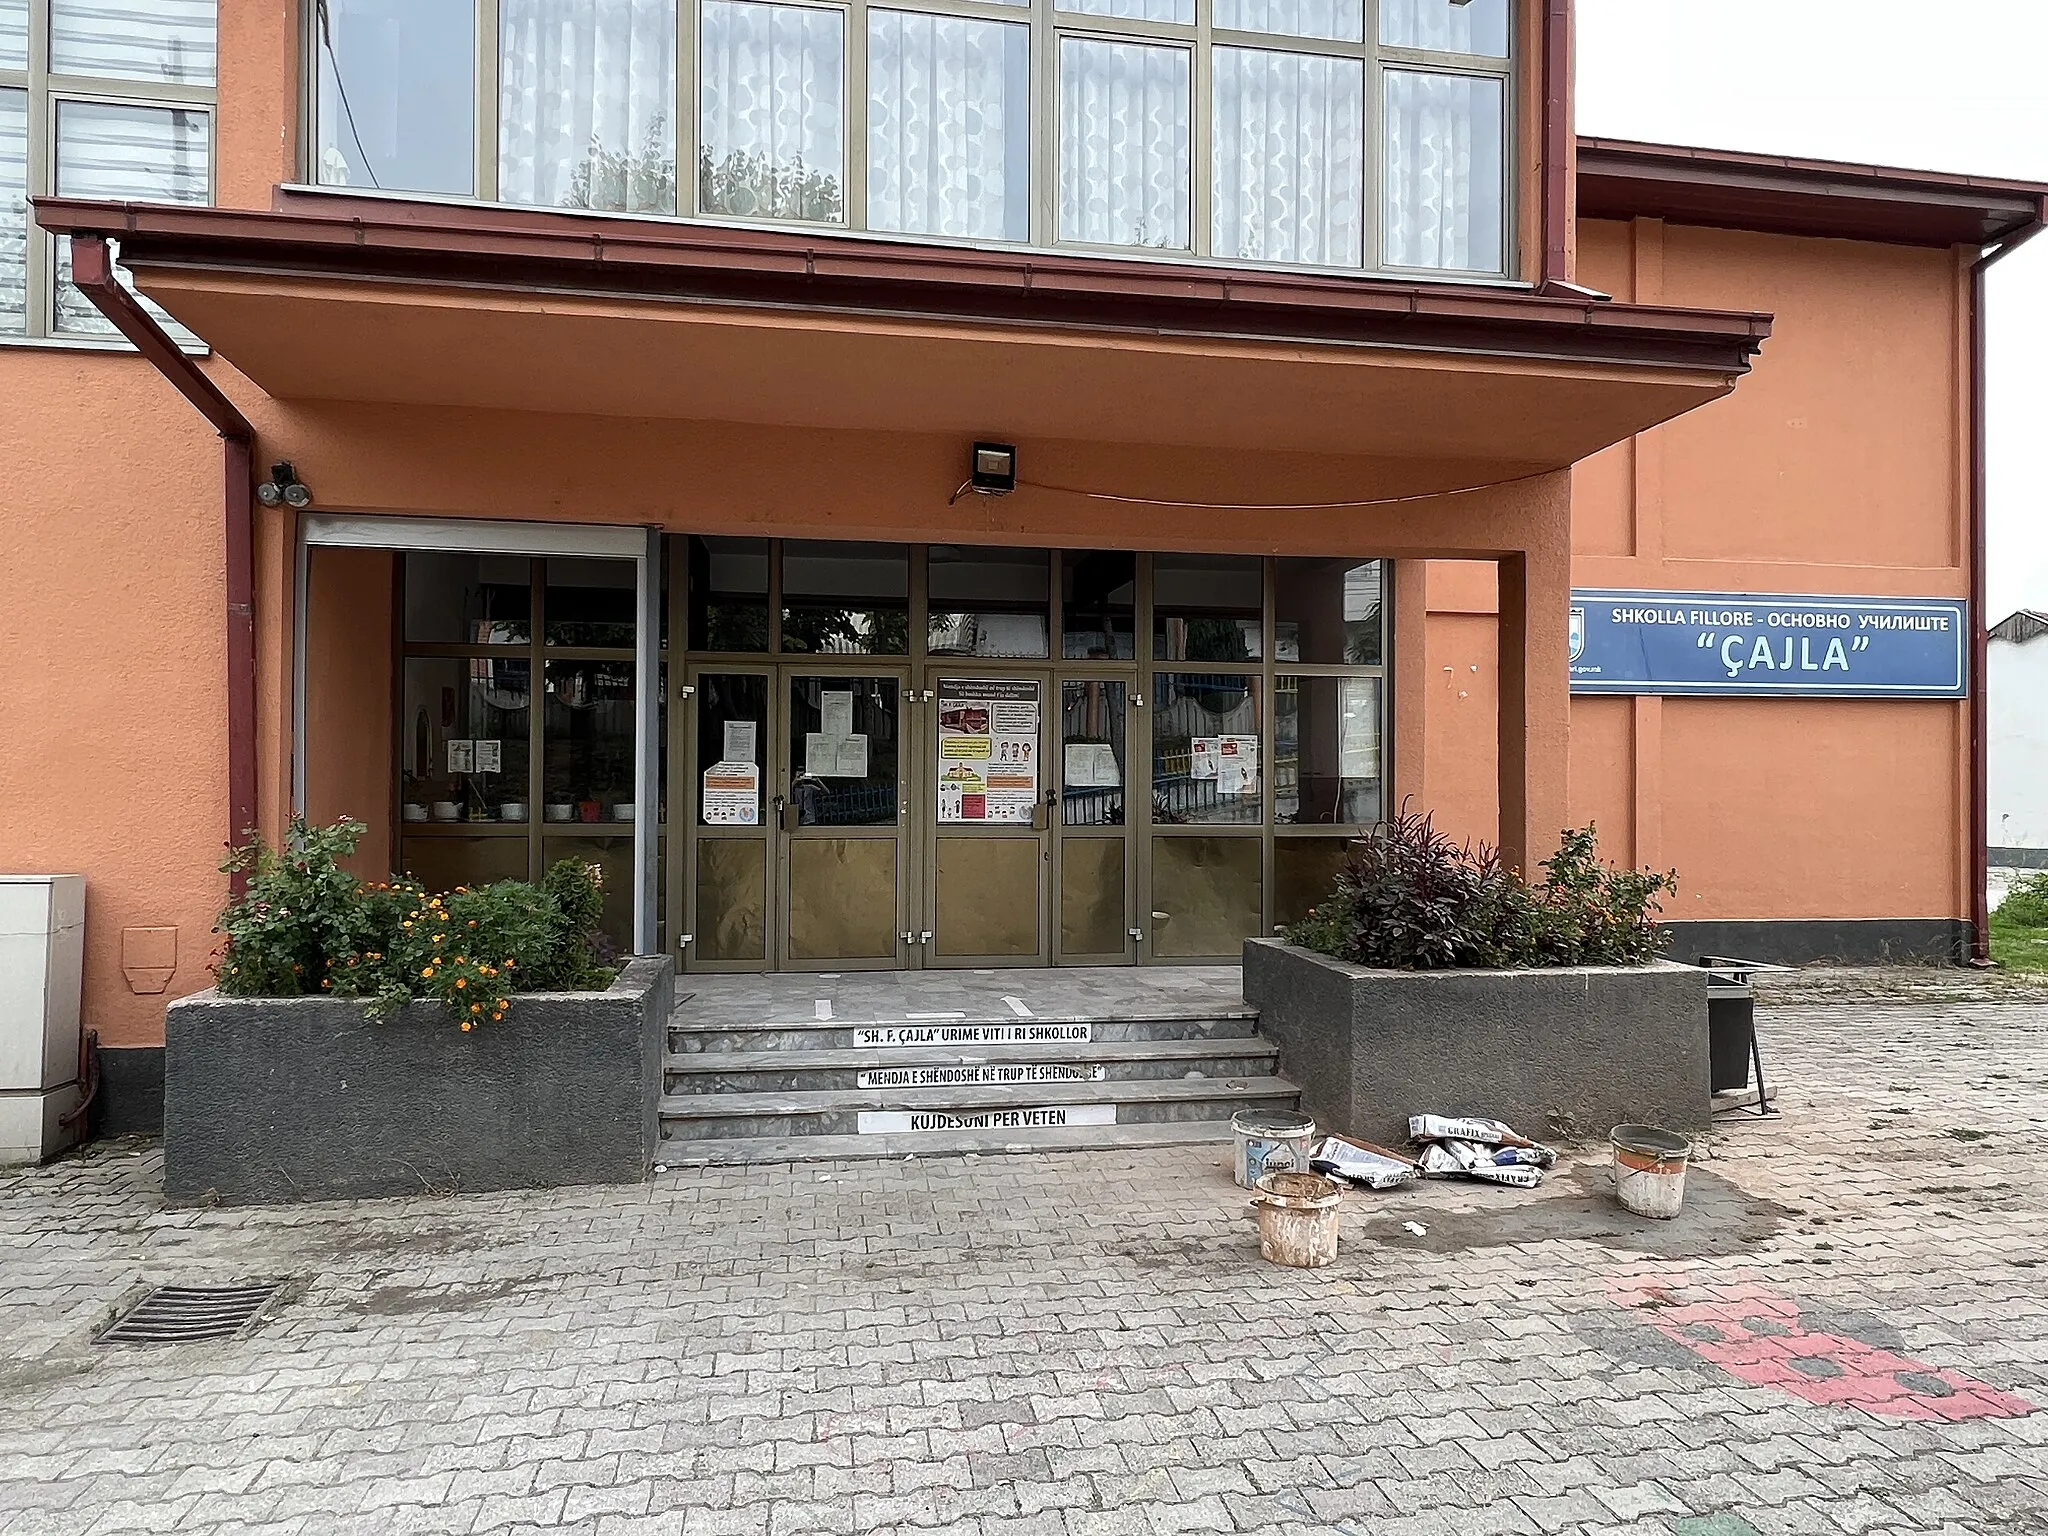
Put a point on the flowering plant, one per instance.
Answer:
(307, 925)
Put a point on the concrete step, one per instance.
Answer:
(834, 1112)
(687, 1033)
(722, 1072)
(681, 1154)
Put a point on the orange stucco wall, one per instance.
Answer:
(113, 727)
(349, 716)
(1838, 467)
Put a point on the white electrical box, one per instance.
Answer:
(42, 966)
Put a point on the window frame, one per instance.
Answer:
(47, 89)
(1048, 27)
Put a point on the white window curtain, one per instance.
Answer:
(1124, 154)
(134, 39)
(13, 212)
(586, 104)
(13, 34)
(771, 140)
(1442, 203)
(1448, 26)
(1181, 11)
(1288, 157)
(948, 150)
(153, 154)
(1340, 19)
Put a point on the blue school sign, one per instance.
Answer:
(1747, 644)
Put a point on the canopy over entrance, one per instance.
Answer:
(346, 298)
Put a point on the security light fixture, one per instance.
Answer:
(284, 488)
(994, 470)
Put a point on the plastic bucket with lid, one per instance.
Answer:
(1269, 1141)
(1649, 1169)
(1297, 1219)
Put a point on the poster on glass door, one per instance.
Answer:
(988, 750)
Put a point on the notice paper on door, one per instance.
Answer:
(740, 742)
(490, 756)
(1092, 765)
(835, 757)
(732, 795)
(836, 714)
(461, 755)
(988, 750)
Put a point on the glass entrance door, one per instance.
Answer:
(840, 804)
(990, 806)
(1093, 868)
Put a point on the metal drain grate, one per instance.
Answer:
(190, 1314)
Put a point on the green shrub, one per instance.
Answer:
(2026, 902)
(1409, 898)
(306, 925)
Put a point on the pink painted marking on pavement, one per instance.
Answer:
(1757, 1335)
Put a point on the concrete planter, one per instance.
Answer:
(276, 1099)
(1551, 1052)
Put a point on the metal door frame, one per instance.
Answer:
(683, 815)
(909, 779)
(1137, 803)
(925, 905)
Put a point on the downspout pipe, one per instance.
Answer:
(92, 271)
(1980, 621)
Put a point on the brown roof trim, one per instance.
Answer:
(486, 247)
(1622, 179)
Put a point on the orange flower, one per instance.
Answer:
(465, 1026)
(428, 973)
(460, 983)
(476, 1007)
(472, 922)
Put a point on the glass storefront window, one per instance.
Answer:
(1207, 734)
(1304, 874)
(988, 602)
(463, 739)
(771, 127)
(589, 603)
(728, 594)
(732, 728)
(1326, 750)
(587, 763)
(1092, 770)
(586, 104)
(1207, 607)
(843, 599)
(1328, 612)
(461, 599)
(1098, 604)
(398, 95)
(843, 751)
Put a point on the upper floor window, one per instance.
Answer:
(1350, 134)
(98, 98)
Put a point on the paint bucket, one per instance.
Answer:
(1297, 1219)
(1649, 1169)
(1269, 1141)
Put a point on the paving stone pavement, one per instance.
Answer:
(1088, 1343)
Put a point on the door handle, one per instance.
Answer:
(1162, 917)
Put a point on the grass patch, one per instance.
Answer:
(2017, 947)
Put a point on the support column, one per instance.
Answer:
(1535, 702)
(1409, 660)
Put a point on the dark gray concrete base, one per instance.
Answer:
(277, 1099)
(1563, 1054)
(2019, 858)
(130, 1101)
(1824, 940)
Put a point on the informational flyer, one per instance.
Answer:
(988, 750)
(490, 756)
(836, 710)
(835, 757)
(741, 742)
(1202, 755)
(461, 755)
(732, 795)
(1092, 765)
(1237, 765)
